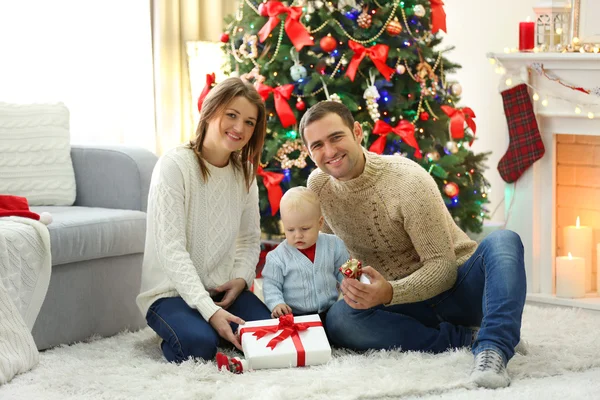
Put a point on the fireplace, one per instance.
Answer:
(565, 183)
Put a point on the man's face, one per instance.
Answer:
(335, 148)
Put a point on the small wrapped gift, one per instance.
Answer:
(285, 342)
(353, 269)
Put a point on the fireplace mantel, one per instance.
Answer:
(533, 197)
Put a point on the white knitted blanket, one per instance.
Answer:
(25, 266)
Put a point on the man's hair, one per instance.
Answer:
(320, 110)
(300, 198)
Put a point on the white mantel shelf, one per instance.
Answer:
(554, 61)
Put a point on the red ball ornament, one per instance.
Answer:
(262, 9)
(451, 189)
(328, 43)
(424, 116)
(300, 105)
(225, 37)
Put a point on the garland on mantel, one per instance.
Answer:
(541, 71)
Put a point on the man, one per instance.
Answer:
(431, 286)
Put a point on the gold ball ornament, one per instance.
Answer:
(451, 189)
(452, 147)
(394, 28)
(456, 89)
(364, 20)
(433, 156)
(419, 10)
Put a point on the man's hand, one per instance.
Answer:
(220, 322)
(232, 290)
(280, 310)
(361, 296)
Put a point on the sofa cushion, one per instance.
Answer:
(86, 233)
(35, 153)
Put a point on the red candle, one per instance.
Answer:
(526, 36)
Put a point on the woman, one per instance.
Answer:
(202, 240)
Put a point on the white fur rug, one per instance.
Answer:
(563, 363)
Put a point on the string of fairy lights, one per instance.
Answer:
(590, 109)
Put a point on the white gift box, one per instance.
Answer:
(310, 345)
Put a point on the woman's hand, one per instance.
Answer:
(280, 310)
(220, 322)
(232, 290)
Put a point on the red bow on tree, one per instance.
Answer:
(297, 33)
(210, 79)
(281, 95)
(272, 182)
(458, 118)
(404, 129)
(438, 16)
(288, 327)
(378, 54)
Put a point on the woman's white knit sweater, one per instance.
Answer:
(199, 234)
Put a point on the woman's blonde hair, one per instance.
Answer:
(214, 105)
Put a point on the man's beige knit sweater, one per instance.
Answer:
(393, 218)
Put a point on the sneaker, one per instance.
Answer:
(489, 370)
(522, 347)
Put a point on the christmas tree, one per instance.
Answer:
(384, 61)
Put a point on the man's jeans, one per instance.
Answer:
(489, 292)
(186, 334)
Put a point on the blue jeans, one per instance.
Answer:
(186, 334)
(489, 293)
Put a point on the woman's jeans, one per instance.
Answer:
(489, 293)
(186, 334)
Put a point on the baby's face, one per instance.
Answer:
(301, 226)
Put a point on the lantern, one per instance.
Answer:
(553, 24)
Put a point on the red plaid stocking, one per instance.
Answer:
(526, 146)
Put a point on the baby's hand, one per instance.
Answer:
(281, 309)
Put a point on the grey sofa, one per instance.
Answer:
(97, 247)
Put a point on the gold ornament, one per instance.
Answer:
(394, 28)
(433, 156)
(452, 147)
(456, 89)
(419, 10)
(286, 149)
(424, 71)
(364, 20)
(249, 41)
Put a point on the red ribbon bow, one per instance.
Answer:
(272, 181)
(404, 129)
(458, 117)
(438, 16)
(281, 94)
(378, 54)
(210, 79)
(297, 33)
(288, 329)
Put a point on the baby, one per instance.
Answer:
(302, 273)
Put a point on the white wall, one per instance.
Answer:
(476, 27)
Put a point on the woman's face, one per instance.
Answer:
(230, 131)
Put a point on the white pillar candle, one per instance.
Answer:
(578, 242)
(570, 276)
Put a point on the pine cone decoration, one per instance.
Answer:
(364, 20)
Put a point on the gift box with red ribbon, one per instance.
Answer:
(285, 342)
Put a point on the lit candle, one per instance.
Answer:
(578, 240)
(526, 35)
(570, 277)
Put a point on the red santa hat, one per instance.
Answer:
(15, 206)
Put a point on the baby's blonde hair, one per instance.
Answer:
(300, 198)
